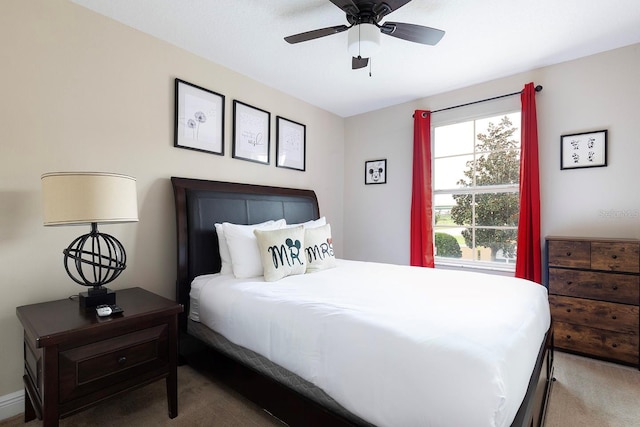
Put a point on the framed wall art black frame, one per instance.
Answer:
(375, 171)
(251, 133)
(583, 150)
(199, 118)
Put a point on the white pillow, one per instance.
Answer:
(243, 247)
(310, 224)
(281, 252)
(318, 248)
(225, 256)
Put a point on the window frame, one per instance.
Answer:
(499, 110)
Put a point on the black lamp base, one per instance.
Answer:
(93, 298)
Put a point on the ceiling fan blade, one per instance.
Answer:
(359, 62)
(348, 6)
(315, 34)
(412, 32)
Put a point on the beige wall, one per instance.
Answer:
(82, 92)
(592, 93)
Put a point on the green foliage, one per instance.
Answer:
(498, 163)
(447, 246)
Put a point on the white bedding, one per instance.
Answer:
(395, 345)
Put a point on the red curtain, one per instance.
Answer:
(528, 261)
(421, 196)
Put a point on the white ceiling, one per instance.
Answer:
(484, 40)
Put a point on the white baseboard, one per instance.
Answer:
(11, 404)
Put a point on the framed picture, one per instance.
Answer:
(199, 123)
(375, 171)
(251, 132)
(583, 150)
(290, 144)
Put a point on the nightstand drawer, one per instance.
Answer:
(569, 253)
(607, 315)
(615, 256)
(594, 285)
(94, 367)
(596, 342)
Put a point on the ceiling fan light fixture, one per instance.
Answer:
(364, 40)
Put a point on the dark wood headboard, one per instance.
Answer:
(200, 204)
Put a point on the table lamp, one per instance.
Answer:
(93, 259)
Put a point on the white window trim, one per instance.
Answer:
(458, 264)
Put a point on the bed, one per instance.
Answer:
(301, 385)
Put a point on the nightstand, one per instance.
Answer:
(74, 359)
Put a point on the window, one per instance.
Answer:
(476, 173)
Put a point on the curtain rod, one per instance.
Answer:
(538, 89)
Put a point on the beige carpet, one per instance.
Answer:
(587, 393)
(590, 393)
(201, 402)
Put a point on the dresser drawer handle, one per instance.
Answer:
(614, 345)
(614, 256)
(568, 337)
(614, 317)
(615, 287)
(568, 310)
(568, 253)
(122, 360)
(569, 282)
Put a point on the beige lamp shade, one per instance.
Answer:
(87, 197)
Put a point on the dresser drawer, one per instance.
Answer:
(606, 315)
(569, 253)
(94, 367)
(595, 285)
(615, 256)
(597, 342)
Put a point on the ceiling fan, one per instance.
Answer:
(364, 27)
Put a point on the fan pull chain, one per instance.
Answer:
(370, 62)
(359, 40)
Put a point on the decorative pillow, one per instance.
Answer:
(311, 224)
(318, 248)
(243, 247)
(281, 252)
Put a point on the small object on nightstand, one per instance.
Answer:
(103, 310)
(115, 309)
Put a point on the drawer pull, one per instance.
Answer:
(614, 317)
(615, 287)
(568, 253)
(569, 282)
(122, 360)
(614, 256)
(568, 337)
(568, 310)
(614, 345)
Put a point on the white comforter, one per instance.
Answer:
(397, 346)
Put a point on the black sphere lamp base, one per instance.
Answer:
(95, 297)
(94, 260)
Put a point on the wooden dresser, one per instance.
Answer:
(594, 292)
